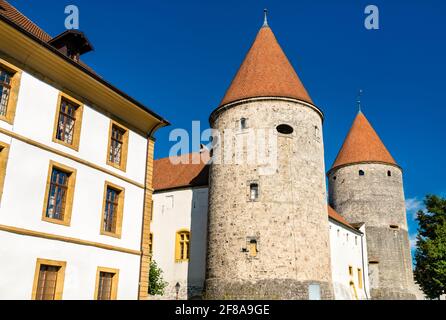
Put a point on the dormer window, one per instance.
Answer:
(72, 43)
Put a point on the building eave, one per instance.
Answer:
(40, 56)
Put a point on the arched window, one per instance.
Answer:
(182, 246)
(361, 173)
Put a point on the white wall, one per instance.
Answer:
(19, 255)
(190, 208)
(348, 249)
(22, 201)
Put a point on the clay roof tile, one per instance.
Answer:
(266, 72)
(363, 145)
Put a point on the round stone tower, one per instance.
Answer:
(268, 232)
(366, 186)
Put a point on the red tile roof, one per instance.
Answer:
(266, 72)
(363, 145)
(15, 16)
(169, 175)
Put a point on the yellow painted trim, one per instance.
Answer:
(125, 145)
(60, 277)
(120, 212)
(178, 253)
(69, 156)
(4, 154)
(69, 197)
(14, 94)
(49, 236)
(77, 124)
(360, 284)
(115, 281)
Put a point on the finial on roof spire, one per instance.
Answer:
(358, 101)
(265, 22)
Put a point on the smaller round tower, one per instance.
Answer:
(366, 186)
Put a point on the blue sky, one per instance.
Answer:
(178, 57)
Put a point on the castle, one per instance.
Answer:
(84, 208)
(253, 234)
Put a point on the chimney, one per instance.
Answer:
(72, 43)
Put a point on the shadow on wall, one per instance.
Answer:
(198, 231)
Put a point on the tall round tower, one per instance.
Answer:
(268, 232)
(366, 186)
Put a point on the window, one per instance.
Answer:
(106, 284)
(350, 271)
(182, 250)
(5, 88)
(48, 280)
(389, 173)
(68, 122)
(317, 133)
(10, 77)
(285, 129)
(243, 123)
(117, 147)
(59, 194)
(361, 173)
(360, 278)
(254, 191)
(112, 210)
(253, 247)
(151, 244)
(4, 152)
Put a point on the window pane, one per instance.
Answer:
(105, 285)
(67, 121)
(57, 195)
(46, 285)
(111, 210)
(5, 88)
(116, 143)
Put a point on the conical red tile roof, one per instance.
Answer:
(266, 72)
(363, 145)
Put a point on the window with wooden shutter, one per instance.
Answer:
(182, 248)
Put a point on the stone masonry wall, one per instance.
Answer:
(377, 199)
(289, 219)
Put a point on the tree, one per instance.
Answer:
(430, 257)
(156, 281)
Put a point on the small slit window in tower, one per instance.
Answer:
(350, 271)
(285, 129)
(243, 123)
(394, 227)
(253, 248)
(389, 173)
(254, 191)
(317, 133)
(334, 178)
(361, 173)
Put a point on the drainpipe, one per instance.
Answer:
(363, 267)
